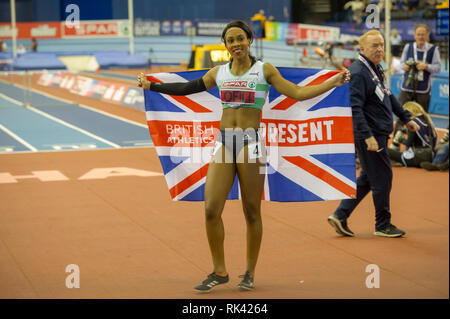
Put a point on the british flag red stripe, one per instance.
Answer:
(288, 102)
(183, 100)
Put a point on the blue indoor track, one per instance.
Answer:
(56, 125)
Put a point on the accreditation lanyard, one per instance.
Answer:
(381, 85)
(425, 51)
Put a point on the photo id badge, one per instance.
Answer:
(379, 93)
(420, 76)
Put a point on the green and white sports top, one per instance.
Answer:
(247, 90)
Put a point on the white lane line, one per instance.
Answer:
(82, 105)
(91, 108)
(20, 140)
(76, 128)
(10, 99)
(114, 116)
(65, 123)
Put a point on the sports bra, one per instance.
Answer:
(247, 90)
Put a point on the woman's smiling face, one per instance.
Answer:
(237, 43)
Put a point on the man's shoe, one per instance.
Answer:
(210, 282)
(429, 166)
(434, 167)
(390, 231)
(444, 166)
(340, 226)
(247, 282)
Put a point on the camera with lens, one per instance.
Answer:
(412, 76)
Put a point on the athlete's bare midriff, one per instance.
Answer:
(243, 118)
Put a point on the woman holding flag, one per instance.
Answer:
(244, 85)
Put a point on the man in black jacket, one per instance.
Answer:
(372, 107)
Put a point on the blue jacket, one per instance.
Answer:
(424, 137)
(371, 116)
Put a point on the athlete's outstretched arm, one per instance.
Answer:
(296, 92)
(180, 88)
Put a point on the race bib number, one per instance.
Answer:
(254, 150)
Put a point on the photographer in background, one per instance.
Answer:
(440, 160)
(419, 59)
(420, 145)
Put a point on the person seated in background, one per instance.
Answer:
(33, 46)
(441, 159)
(402, 5)
(428, 9)
(356, 8)
(413, 4)
(3, 46)
(394, 5)
(420, 145)
(21, 49)
(396, 43)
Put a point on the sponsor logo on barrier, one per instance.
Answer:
(44, 31)
(317, 33)
(298, 31)
(114, 93)
(443, 91)
(71, 27)
(27, 30)
(6, 31)
(85, 86)
(176, 27)
(110, 28)
(210, 28)
(146, 28)
(134, 98)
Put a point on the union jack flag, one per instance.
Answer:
(311, 154)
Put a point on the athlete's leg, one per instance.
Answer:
(219, 180)
(251, 175)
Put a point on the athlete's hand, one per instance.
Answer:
(143, 82)
(372, 144)
(341, 78)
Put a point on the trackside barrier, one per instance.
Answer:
(22, 86)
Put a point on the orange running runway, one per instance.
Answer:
(110, 214)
